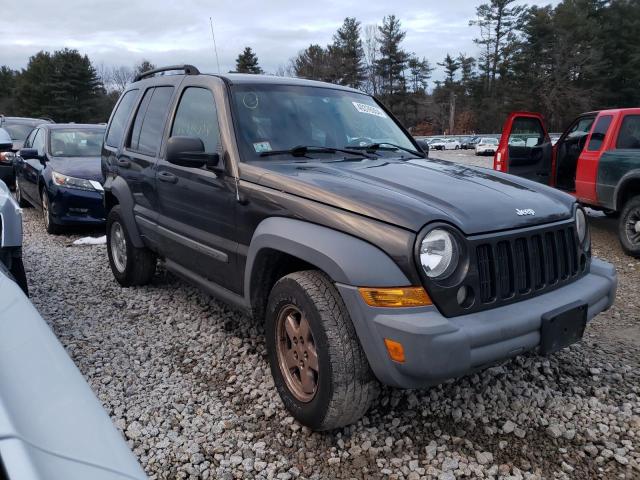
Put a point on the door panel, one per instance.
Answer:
(587, 168)
(31, 169)
(197, 205)
(525, 148)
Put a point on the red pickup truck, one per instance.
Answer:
(597, 160)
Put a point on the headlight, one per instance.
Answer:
(581, 225)
(439, 253)
(78, 183)
(7, 157)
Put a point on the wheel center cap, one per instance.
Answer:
(638, 226)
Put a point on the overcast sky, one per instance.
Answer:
(122, 32)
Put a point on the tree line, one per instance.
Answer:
(577, 56)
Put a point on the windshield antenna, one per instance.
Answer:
(215, 49)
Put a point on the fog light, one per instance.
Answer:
(395, 349)
(395, 297)
(465, 296)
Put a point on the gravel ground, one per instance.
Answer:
(186, 380)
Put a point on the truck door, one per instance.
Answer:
(598, 143)
(525, 149)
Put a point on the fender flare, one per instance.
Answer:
(626, 178)
(118, 188)
(346, 259)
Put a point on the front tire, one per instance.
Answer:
(130, 265)
(317, 362)
(49, 225)
(629, 227)
(19, 198)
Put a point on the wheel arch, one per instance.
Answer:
(282, 245)
(117, 192)
(628, 186)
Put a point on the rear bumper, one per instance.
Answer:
(439, 348)
(77, 207)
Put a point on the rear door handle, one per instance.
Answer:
(167, 177)
(124, 163)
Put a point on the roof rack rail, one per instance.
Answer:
(188, 70)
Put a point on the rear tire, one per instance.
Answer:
(340, 386)
(629, 227)
(130, 265)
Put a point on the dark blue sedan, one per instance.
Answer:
(58, 170)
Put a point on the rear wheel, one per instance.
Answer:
(47, 216)
(130, 265)
(629, 227)
(317, 363)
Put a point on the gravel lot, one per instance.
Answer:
(186, 379)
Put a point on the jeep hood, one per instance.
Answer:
(412, 193)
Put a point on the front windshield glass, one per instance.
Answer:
(18, 131)
(76, 143)
(280, 117)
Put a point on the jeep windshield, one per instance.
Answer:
(274, 121)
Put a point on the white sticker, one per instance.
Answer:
(260, 147)
(369, 109)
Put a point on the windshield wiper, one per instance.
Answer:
(302, 150)
(372, 147)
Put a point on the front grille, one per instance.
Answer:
(526, 264)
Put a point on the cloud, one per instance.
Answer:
(122, 32)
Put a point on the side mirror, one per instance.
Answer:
(29, 153)
(189, 152)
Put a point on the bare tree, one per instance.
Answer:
(121, 77)
(370, 58)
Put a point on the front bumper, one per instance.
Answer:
(77, 207)
(439, 348)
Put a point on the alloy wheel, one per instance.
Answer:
(632, 227)
(45, 209)
(18, 192)
(297, 355)
(118, 245)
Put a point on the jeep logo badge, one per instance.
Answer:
(525, 211)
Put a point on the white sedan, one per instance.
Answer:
(487, 146)
(445, 144)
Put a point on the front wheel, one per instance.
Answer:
(47, 216)
(629, 227)
(317, 362)
(130, 265)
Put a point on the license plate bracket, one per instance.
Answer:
(562, 327)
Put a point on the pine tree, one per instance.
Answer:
(247, 62)
(348, 54)
(311, 63)
(393, 59)
(420, 73)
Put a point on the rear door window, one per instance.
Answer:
(119, 120)
(148, 127)
(599, 132)
(629, 136)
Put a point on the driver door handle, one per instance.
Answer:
(167, 177)
(123, 163)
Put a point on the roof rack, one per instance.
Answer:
(188, 70)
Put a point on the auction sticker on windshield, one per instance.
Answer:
(260, 147)
(369, 109)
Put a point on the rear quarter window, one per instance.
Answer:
(629, 135)
(119, 120)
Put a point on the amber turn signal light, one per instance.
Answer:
(395, 297)
(395, 349)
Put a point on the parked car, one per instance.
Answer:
(596, 159)
(423, 143)
(486, 146)
(367, 263)
(11, 237)
(58, 170)
(52, 426)
(470, 143)
(445, 144)
(18, 128)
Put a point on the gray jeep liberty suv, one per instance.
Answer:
(309, 206)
